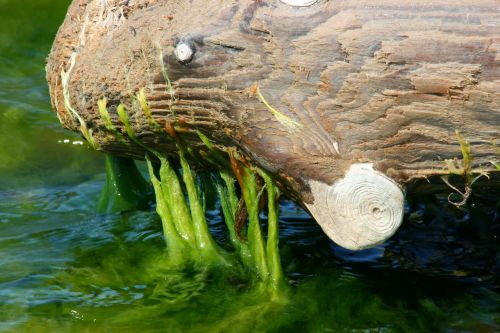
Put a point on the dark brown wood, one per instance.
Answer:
(386, 82)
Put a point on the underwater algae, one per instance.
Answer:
(181, 204)
(125, 188)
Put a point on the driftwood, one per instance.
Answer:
(348, 103)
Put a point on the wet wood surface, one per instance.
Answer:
(362, 81)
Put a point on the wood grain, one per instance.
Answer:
(384, 82)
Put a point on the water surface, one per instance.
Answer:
(65, 268)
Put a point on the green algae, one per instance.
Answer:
(125, 187)
(185, 226)
(208, 248)
(103, 111)
(146, 109)
(259, 256)
(179, 249)
(226, 190)
(252, 195)
(175, 199)
(106, 118)
(185, 229)
(276, 276)
(199, 301)
(122, 114)
(264, 253)
(464, 169)
(182, 209)
(289, 123)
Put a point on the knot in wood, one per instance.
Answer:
(183, 52)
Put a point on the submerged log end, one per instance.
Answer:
(359, 211)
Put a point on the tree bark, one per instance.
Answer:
(304, 91)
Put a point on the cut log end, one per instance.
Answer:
(299, 3)
(362, 210)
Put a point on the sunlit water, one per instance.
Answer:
(64, 268)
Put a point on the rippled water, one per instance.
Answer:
(64, 268)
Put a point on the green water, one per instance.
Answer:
(65, 268)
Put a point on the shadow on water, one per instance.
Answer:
(64, 268)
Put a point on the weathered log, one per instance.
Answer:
(346, 102)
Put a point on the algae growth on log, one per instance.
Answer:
(181, 205)
(346, 112)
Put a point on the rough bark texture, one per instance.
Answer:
(386, 82)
